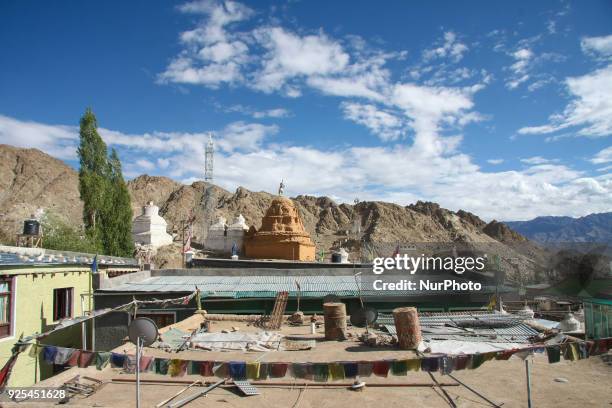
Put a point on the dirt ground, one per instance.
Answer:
(588, 382)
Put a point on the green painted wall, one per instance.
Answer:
(33, 312)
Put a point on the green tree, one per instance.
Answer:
(107, 211)
(93, 172)
(62, 237)
(117, 219)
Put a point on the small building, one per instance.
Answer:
(39, 290)
(149, 228)
(221, 237)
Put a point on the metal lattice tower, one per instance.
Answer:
(209, 159)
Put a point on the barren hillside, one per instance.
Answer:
(31, 179)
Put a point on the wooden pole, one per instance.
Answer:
(450, 400)
(183, 243)
(164, 402)
(289, 383)
(475, 392)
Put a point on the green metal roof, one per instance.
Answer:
(267, 286)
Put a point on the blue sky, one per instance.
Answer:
(502, 109)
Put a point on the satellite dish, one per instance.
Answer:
(331, 299)
(144, 328)
(363, 317)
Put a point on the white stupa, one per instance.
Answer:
(149, 228)
(222, 237)
(235, 233)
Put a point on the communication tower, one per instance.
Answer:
(209, 159)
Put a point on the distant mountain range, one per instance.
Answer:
(590, 228)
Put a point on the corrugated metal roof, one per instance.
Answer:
(486, 326)
(245, 286)
(251, 286)
(25, 256)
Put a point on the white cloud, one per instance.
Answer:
(244, 136)
(540, 83)
(364, 79)
(606, 168)
(590, 109)
(239, 136)
(275, 113)
(58, 141)
(291, 61)
(221, 13)
(214, 53)
(537, 160)
(211, 56)
(145, 164)
(385, 125)
(255, 113)
(272, 113)
(597, 46)
(183, 70)
(523, 57)
(604, 156)
(163, 163)
(398, 173)
(495, 161)
(428, 109)
(289, 55)
(450, 47)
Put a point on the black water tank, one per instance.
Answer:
(31, 227)
(336, 257)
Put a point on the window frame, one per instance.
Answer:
(152, 313)
(10, 307)
(69, 308)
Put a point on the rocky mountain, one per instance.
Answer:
(31, 179)
(595, 228)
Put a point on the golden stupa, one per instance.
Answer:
(281, 236)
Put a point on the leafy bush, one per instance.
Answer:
(60, 236)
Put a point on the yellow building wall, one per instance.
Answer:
(33, 313)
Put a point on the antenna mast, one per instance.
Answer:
(209, 159)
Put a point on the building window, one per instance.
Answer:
(62, 303)
(5, 306)
(160, 319)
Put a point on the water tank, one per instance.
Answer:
(336, 257)
(31, 227)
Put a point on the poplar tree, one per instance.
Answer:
(118, 216)
(93, 183)
(107, 210)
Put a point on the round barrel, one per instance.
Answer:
(336, 257)
(31, 227)
(335, 321)
(407, 327)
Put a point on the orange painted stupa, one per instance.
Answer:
(282, 235)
